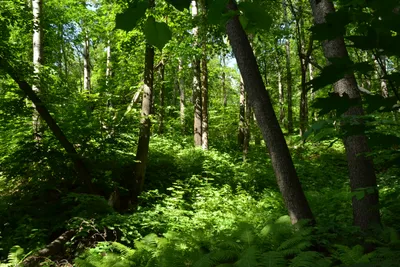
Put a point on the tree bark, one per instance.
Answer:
(145, 122)
(37, 42)
(281, 97)
(362, 174)
(247, 127)
(86, 63)
(162, 98)
(108, 62)
(181, 96)
(197, 127)
(80, 167)
(204, 77)
(242, 106)
(288, 73)
(223, 79)
(286, 175)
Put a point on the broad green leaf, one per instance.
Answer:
(257, 16)
(157, 33)
(130, 17)
(333, 27)
(216, 12)
(179, 4)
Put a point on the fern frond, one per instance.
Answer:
(310, 258)
(124, 250)
(272, 259)
(15, 256)
(248, 258)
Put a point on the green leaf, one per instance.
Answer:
(130, 17)
(157, 33)
(179, 4)
(214, 10)
(256, 15)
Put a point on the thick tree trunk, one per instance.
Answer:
(197, 127)
(288, 74)
(162, 98)
(286, 175)
(362, 174)
(37, 41)
(80, 167)
(145, 122)
(181, 96)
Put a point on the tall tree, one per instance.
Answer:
(242, 106)
(80, 167)
(197, 127)
(288, 71)
(145, 122)
(86, 62)
(204, 76)
(182, 101)
(162, 97)
(362, 174)
(285, 173)
(37, 41)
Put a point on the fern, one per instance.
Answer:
(248, 258)
(272, 259)
(310, 259)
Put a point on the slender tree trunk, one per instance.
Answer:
(223, 78)
(145, 122)
(288, 73)
(181, 96)
(247, 128)
(257, 137)
(86, 63)
(204, 76)
(108, 62)
(281, 98)
(162, 98)
(286, 175)
(242, 106)
(362, 174)
(37, 41)
(382, 72)
(80, 167)
(197, 129)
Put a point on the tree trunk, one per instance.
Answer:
(382, 72)
(204, 76)
(86, 63)
(281, 98)
(80, 167)
(242, 106)
(162, 98)
(223, 79)
(108, 62)
(181, 96)
(362, 174)
(247, 128)
(288, 73)
(286, 175)
(37, 41)
(145, 122)
(197, 129)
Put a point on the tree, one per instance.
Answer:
(37, 41)
(204, 76)
(145, 121)
(362, 174)
(198, 112)
(288, 72)
(285, 173)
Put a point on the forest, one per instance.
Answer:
(199, 133)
